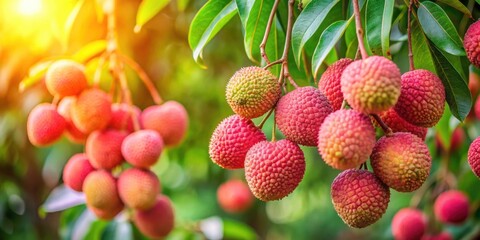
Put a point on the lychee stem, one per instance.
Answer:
(358, 24)
(98, 71)
(260, 126)
(409, 34)
(267, 32)
(55, 100)
(388, 131)
(273, 130)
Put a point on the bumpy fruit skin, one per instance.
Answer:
(122, 116)
(346, 139)
(451, 207)
(234, 196)
(92, 110)
(71, 131)
(138, 188)
(402, 161)
(65, 78)
(232, 139)
(44, 125)
(329, 83)
(398, 124)
(471, 42)
(274, 169)
(441, 236)
(422, 100)
(300, 113)
(158, 221)
(142, 148)
(252, 91)
(359, 197)
(76, 170)
(170, 120)
(101, 194)
(371, 85)
(103, 148)
(409, 224)
(474, 156)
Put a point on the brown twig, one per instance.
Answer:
(409, 34)
(387, 130)
(288, 38)
(267, 32)
(358, 24)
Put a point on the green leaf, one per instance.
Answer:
(35, 75)
(378, 22)
(89, 51)
(244, 7)
(147, 10)
(307, 24)
(457, 5)
(182, 4)
(275, 44)
(237, 230)
(439, 29)
(327, 41)
(210, 19)
(67, 28)
(422, 58)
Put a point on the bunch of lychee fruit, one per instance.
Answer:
(121, 144)
(339, 118)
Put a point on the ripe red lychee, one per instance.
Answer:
(471, 42)
(409, 224)
(346, 139)
(76, 170)
(234, 196)
(402, 161)
(359, 197)
(142, 148)
(300, 113)
(65, 78)
(101, 194)
(232, 139)
(451, 207)
(474, 156)
(329, 83)
(103, 148)
(122, 116)
(92, 110)
(44, 125)
(371, 85)
(477, 108)
(158, 221)
(138, 188)
(274, 169)
(170, 120)
(71, 131)
(398, 124)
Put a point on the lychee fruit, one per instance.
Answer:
(422, 100)
(252, 91)
(103, 148)
(474, 156)
(329, 83)
(122, 116)
(234, 196)
(471, 42)
(101, 194)
(346, 139)
(274, 169)
(92, 110)
(71, 131)
(451, 207)
(76, 170)
(44, 125)
(158, 221)
(398, 124)
(232, 139)
(170, 120)
(300, 113)
(476, 108)
(402, 161)
(456, 141)
(138, 188)
(371, 85)
(142, 148)
(65, 78)
(441, 236)
(359, 197)
(409, 224)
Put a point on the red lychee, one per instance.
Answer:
(142, 148)
(398, 124)
(72, 132)
(234, 196)
(92, 110)
(65, 78)
(451, 207)
(44, 125)
(103, 148)
(101, 194)
(122, 116)
(76, 170)
(409, 224)
(138, 188)
(471, 42)
(329, 83)
(474, 156)
(158, 221)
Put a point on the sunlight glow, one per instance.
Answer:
(29, 7)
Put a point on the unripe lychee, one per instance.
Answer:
(138, 188)
(471, 42)
(409, 224)
(329, 83)
(92, 110)
(101, 194)
(441, 236)
(71, 131)
(300, 113)
(346, 139)
(451, 207)
(158, 221)
(76, 170)
(371, 85)
(170, 120)
(398, 124)
(122, 116)
(232, 139)
(252, 91)
(234, 196)
(44, 125)
(274, 169)
(402, 161)
(359, 197)
(474, 156)
(422, 100)
(103, 148)
(142, 148)
(65, 78)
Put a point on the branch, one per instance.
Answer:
(388, 131)
(409, 33)
(267, 32)
(358, 24)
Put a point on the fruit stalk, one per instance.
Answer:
(284, 70)
(358, 24)
(387, 130)
(409, 34)
(267, 32)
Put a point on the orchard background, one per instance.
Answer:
(174, 41)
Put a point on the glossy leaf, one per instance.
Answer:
(147, 10)
(378, 22)
(244, 7)
(422, 57)
(457, 5)
(89, 51)
(439, 29)
(275, 44)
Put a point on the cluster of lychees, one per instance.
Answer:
(450, 207)
(87, 116)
